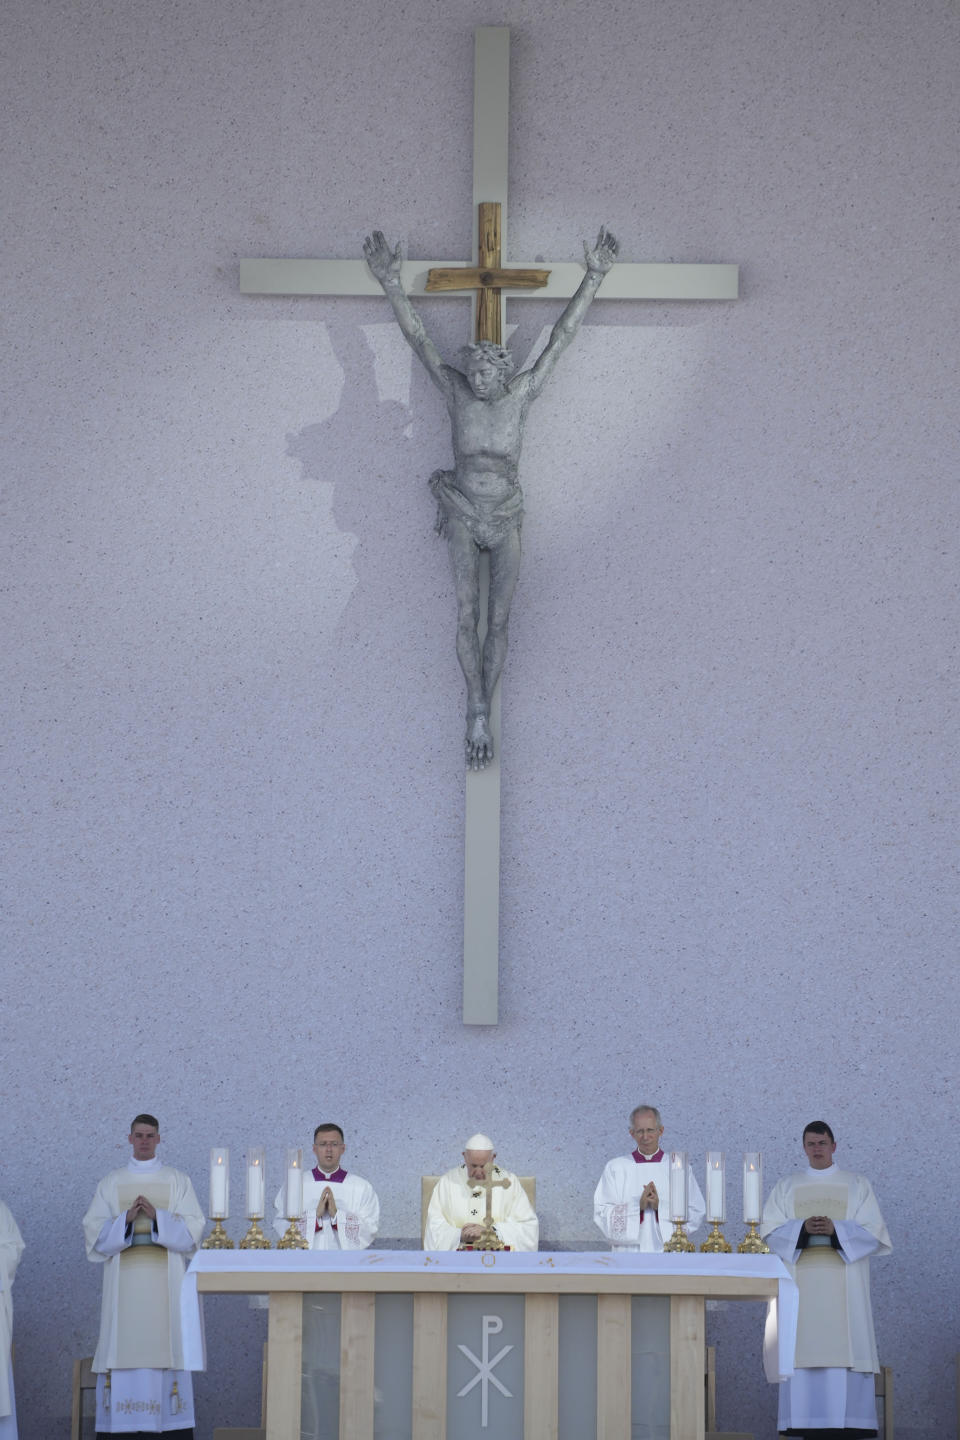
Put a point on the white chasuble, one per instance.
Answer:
(140, 1308)
(616, 1204)
(143, 1296)
(831, 1385)
(457, 1201)
(835, 1324)
(823, 1331)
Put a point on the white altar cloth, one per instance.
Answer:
(474, 1262)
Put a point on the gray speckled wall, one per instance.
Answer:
(231, 705)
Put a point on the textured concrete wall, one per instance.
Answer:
(231, 704)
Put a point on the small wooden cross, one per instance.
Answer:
(487, 277)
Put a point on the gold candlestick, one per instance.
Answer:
(716, 1242)
(254, 1238)
(218, 1239)
(489, 1239)
(679, 1242)
(752, 1244)
(292, 1239)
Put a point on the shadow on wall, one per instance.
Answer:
(377, 453)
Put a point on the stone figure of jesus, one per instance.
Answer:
(480, 502)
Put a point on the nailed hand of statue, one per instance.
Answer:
(603, 254)
(384, 263)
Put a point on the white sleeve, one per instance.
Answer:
(696, 1206)
(279, 1218)
(113, 1237)
(11, 1247)
(867, 1217)
(97, 1225)
(357, 1227)
(616, 1217)
(173, 1233)
(778, 1227)
(521, 1228)
(856, 1243)
(784, 1240)
(775, 1212)
(185, 1222)
(439, 1233)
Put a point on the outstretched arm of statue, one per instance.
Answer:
(384, 265)
(598, 261)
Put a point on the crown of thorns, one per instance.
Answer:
(488, 350)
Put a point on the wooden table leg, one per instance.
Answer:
(284, 1365)
(613, 1368)
(687, 1336)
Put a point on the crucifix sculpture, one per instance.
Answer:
(494, 284)
(479, 502)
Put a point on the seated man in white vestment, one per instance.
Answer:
(142, 1221)
(631, 1204)
(824, 1223)
(458, 1204)
(340, 1209)
(11, 1248)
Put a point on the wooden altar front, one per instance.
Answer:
(542, 1281)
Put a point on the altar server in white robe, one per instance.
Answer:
(11, 1248)
(143, 1220)
(825, 1223)
(631, 1204)
(458, 1204)
(340, 1209)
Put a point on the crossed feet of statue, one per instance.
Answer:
(479, 742)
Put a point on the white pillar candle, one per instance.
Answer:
(716, 1187)
(294, 1184)
(752, 1188)
(678, 1185)
(219, 1184)
(256, 1185)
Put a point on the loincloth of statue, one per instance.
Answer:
(486, 525)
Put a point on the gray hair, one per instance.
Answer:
(645, 1110)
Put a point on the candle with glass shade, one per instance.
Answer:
(293, 1195)
(256, 1198)
(716, 1243)
(752, 1244)
(218, 1239)
(678, 1242)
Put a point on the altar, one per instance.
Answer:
(408, 1345)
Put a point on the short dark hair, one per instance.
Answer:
(818, 1127)
(145, 1120)
(329, 1126)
